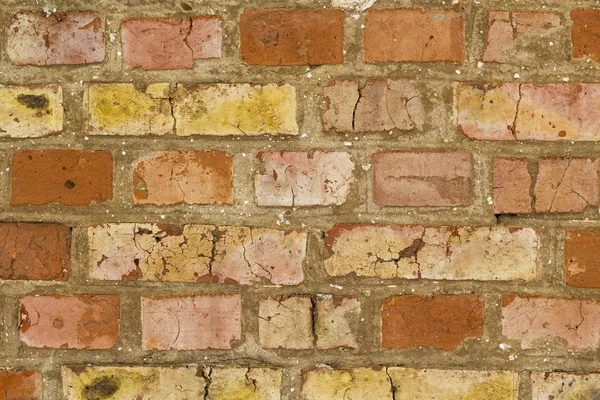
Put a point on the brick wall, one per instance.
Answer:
(299, 200)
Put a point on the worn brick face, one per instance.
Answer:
(191, 322)
(192, 177)
(292, 37)
(582, 258)
(72, 322)
(35, 251)
(20, 385)
(286, 324)
(67, 177)
(584, 33)
(61, 38)
(356, 383)
(441, 322)
(304, 179)
(417, 35)
(336, 322)
(243, 383)
(564, 386)
(533, 321)
(512, 186)
(168, 43)
(422, 179)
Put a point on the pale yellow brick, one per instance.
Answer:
(351, 384)
(229, 383)
(337, 322)
(286, 324)
(565, 386)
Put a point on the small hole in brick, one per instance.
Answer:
(69, 184)
(185, 6)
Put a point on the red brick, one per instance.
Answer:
(292, 37)
(300, 178)
(167, 43)
(192, 177)
(191, 322)
(534, 321)
(512, 185)
(62, 38)
(585, 33)
(73, 322)
(20, 385)
(67, 177)
(582, 258)
(421, 179)
(566, 185)
(442, 322)
(419, 35)
(34, 251)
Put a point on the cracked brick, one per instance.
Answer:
(294, 179)
(31, 111)
(440, 322)
(351, 383)
(197, 322)
(72, 322)
(20, 385)
(168, 43)
(564, 385)
(535, 321)
(582, 258)
(292, 37)
(413, 35)
(422, 179)
(191, 177)
(59, 39)
(336, 321)
(512, 186)
(35, 251)
(286, 323)
(230, 383)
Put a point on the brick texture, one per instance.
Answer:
(23, 385)
(582, 263)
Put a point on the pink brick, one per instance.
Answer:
(304, 179)
(167, 43)
(512, 185)
(62, 38)
(191, 322)
(73, 322)
(575, 323)
(421, 179)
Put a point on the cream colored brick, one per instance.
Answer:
(229, 383)
(351, 384)
(286, 324)
(337, 322)
(30, 111)
(564, 386)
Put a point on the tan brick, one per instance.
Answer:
(191, 322)
(512, 186)
(35, 251)
(564, 386)
(20, 385)
(523, 37)
(235, 110)
(535, 321)
(228, 383)
(419, 35)
(422, 179)
(292, 37)
(341, 384)
(286, 324)
(196, 253)
(566, 185)
(337, 320)
(381, 105)
(435, 384)
(191, 177)
(124, 110)
(293, 179)
(441, 322)
(582, 258)
(31, 111)
(584, 33)
(168, 43)
(33, 38)
(512, 111)
(72, 322)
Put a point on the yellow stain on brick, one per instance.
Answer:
(244, 384)
(30, 111)
(358, 383)
(122, 109)
(244, 109)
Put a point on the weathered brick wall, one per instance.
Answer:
(308, 199)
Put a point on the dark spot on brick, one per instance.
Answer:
(33, 101)
(562, 133)
(102, 388)
(185, 6)
(69, 184)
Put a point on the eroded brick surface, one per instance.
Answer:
(421, 179)
(196, 253)
(381, 105)
(512, 186)
(61, 38)
(168, 43)
(192, 177)
(441, 322)
(304, 179)
(340, 384)
(292, 37)
(228, 383)
(336, 321)
(582, 258)
(191, 322)
(31, 111)
(35, 251)
(534, 321)
(564, 386)
(418, 35)
(20, 385)
(73, 322)
(584, 33)
(286, 324)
